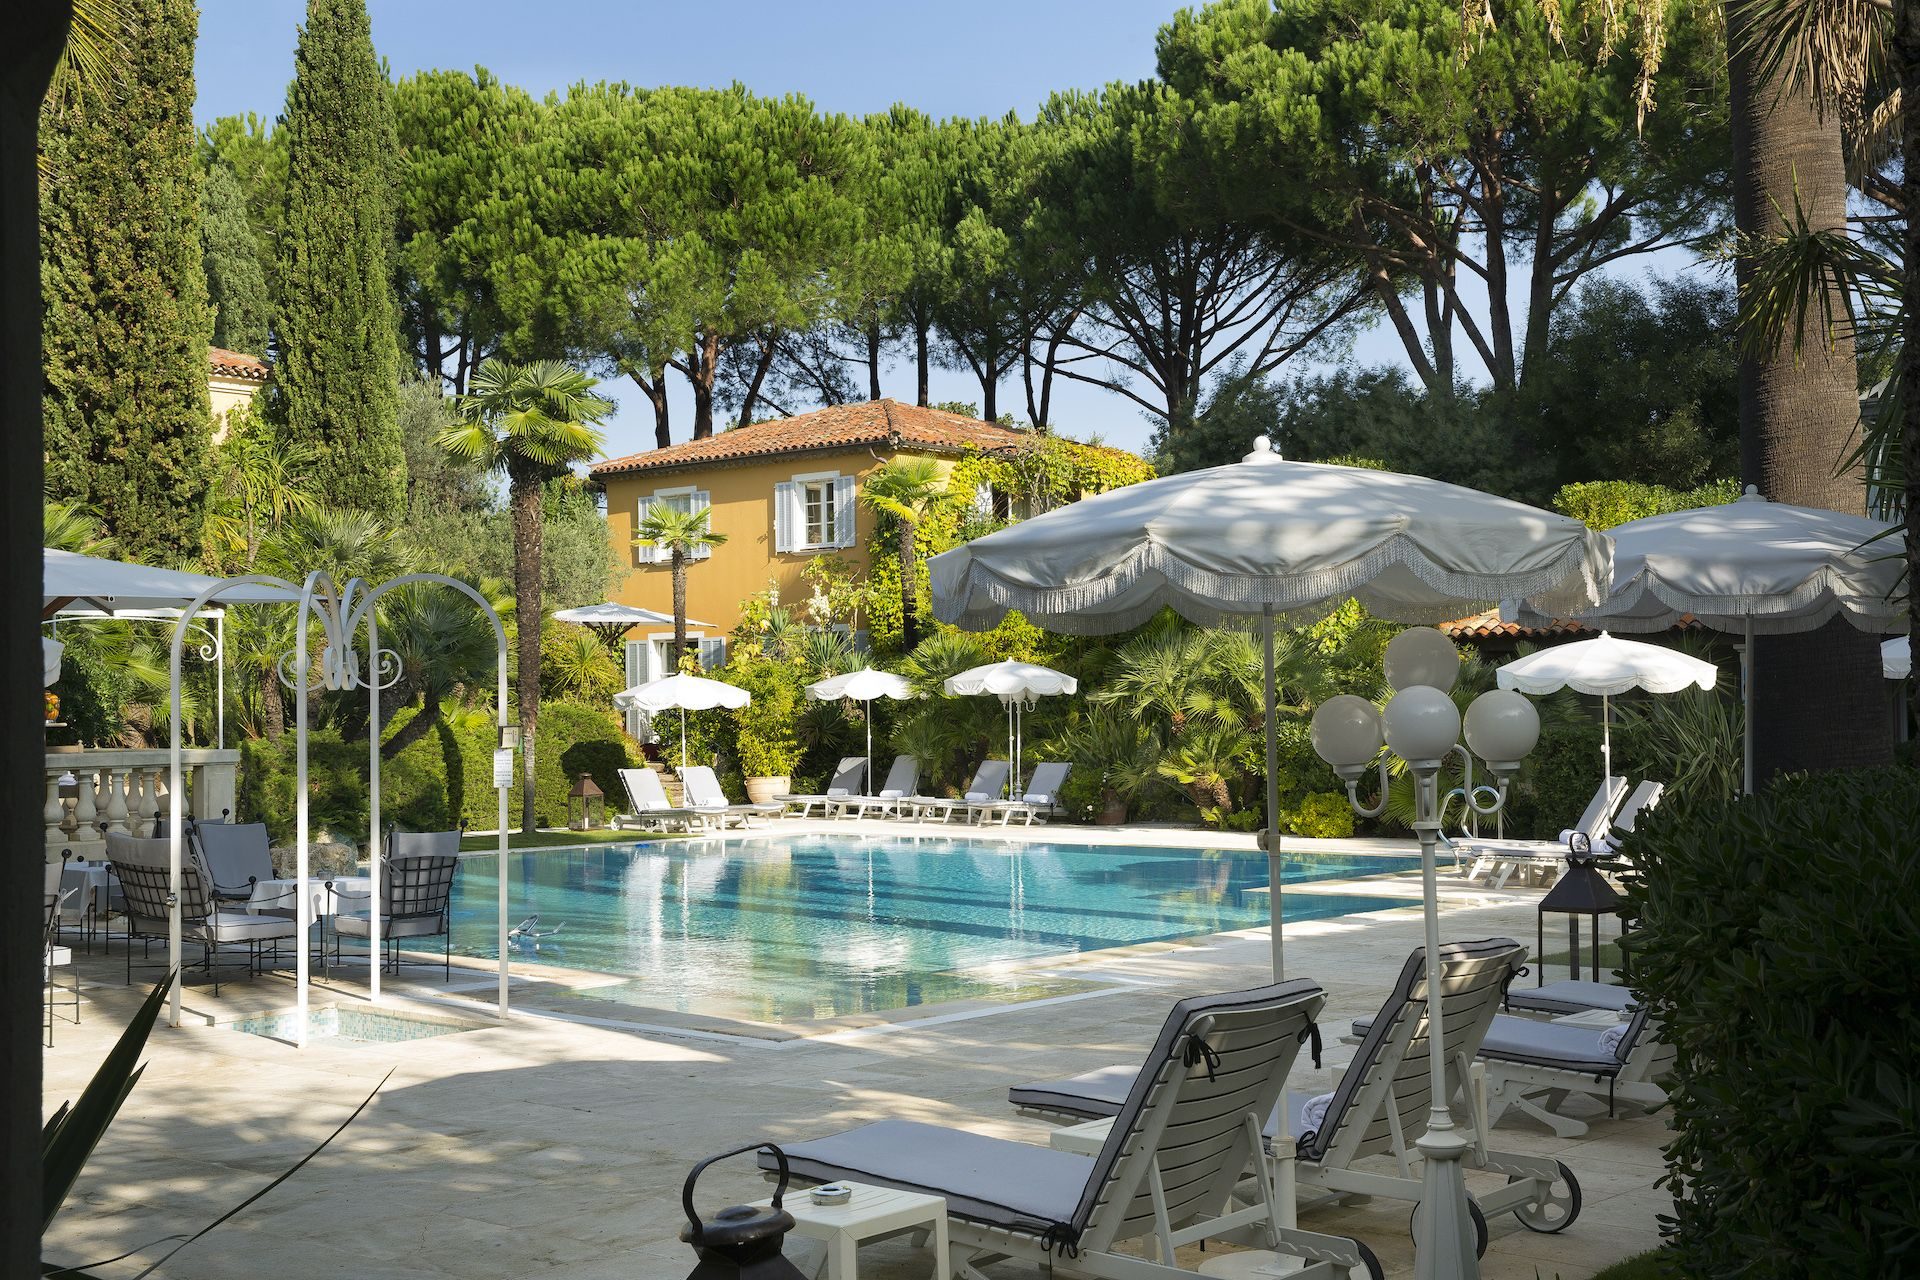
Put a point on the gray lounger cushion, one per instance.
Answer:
(1093, 1094)
(1571, 995)
(1549, 1044)
(986, 1180)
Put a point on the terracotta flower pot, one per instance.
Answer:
(763, 790)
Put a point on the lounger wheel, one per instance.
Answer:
(1560, 1207)
(1479, 1226)
(1374, 1269)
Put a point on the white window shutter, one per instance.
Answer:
(703, 501)
(636, 653)
(787, 517)
(644, 555)
(713, 652)
(983, 500)
(843, 511)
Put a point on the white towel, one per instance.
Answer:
(978, 797)
(891, 794)
(838, 791)
(1038, 798)
(1314, 1114)
(1567, 834)
(1610, 1041)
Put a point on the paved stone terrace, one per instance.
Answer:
(555, 1145)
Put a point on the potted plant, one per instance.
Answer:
(765, 742)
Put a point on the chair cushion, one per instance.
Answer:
(986, 1180)
(240, 926)
(1572, 995)
(357, 926)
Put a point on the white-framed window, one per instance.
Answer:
(686, 499)
(813, 513)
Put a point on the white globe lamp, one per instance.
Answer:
(1422, 656)
(1422, 725)
(1501, 728)
(1346, 734)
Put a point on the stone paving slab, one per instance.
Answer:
(554, 1145)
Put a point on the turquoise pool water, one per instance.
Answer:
(800, 927)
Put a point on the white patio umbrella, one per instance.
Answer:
(862, 686)
(612, 620)
(1271, 539)
(1896, 658)
(114, 586)
(682, 691)
(1016, 684)
(1607, 666)
(1750, 567)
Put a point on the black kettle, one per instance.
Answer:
(742, 1241)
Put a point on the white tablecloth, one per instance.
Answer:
(88, 882)
(349, 893)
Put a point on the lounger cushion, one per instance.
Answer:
(239, 926)
(986, 1180)
(1572, 995)
(1540, 1044)
(1093, 1095)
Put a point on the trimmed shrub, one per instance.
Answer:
(1324, 815)
(1603, 504)
(1777, 937)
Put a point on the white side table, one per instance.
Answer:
(1082, 1139)
(872, 1214)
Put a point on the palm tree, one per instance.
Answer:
(258, 482)
(529, 422)
(908, 489)
(681, 534)
(444, 645)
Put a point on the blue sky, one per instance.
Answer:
(983, 58)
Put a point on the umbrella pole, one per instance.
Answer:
(1273, 804)
(1746, 717)
(1606, 739)
(869, 746)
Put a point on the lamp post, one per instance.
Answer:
(1421, 726)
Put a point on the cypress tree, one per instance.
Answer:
(336, 376)
(125, 328)
(236, 286)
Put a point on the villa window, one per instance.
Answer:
(814, 513)
(686, 500)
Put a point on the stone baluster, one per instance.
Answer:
(149, 799)
(86, 812)
(54, 815)
(116, 819)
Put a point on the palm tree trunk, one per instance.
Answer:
(1818, 700)
(909, 616)
(679, 607)
(1906, 61)
(273, 707)
(415, 729)
(525, 490)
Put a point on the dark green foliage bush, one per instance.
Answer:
(1778, 937)
(1557, 781)
(445, 775)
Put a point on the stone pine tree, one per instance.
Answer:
(335, 386)
(125, 329)
(236, 286)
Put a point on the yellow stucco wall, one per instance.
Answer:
(225, 394)
(743, 507)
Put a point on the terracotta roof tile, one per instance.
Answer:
(869, 423)
(236, 364)
(1488, 626)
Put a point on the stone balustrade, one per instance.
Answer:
(90, 793)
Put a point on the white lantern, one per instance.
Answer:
(1422, 725)
(1422, 656)
(1346, 731)
(1501, 728)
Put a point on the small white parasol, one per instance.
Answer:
(862, 686)
(682, 691)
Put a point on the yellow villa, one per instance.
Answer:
(782, 492)
(233, 379)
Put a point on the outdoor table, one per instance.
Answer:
(282, 897)
(873, 1213)
(93, 888)
(1081, 1139)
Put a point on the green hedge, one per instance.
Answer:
(444, 776)
(1602, 504)
(1778, 937)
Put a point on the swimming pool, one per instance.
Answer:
(800, 927)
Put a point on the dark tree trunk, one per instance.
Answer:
(1906, 61)
(909, 595)
(751, 400)
(35, 36)
(989, 398)
(873, 362)
(1798, 413)
(415, 729)
(526, 486)
(654, 387)
(273, 706)
(705, 366)
(920, 331)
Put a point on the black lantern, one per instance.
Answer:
(742, 1241)
(1582, 891)
(587, 793)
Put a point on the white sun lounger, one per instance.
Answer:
(902, 778)
(988, 782)
(847, 780)
(1499, 860)
(650, 806)
(1187, 1130)
(705, 796)
(1041, 797)
(1381, 1103)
